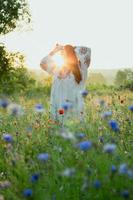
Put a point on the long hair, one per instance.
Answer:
(72, 61)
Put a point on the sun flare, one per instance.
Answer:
(58, 59)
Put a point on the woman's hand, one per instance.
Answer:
(56, 49)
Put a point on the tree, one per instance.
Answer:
(11, 13)
(123, 76)
(129, 73)
(120, 78)
(9, 62)
(5, 64)
(14, 76)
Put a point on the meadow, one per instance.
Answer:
(42, 159)
(91, 159)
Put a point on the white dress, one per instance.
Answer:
(67, 90)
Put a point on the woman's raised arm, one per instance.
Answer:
(47, 63)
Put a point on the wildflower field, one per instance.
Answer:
(91, 159)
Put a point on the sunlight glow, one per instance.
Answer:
(58, 59)
(50, 25)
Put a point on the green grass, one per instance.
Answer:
(18, 160)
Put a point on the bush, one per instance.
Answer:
(14, 76)
(124, 79)
(129, 85)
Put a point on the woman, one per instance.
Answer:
(69, 80)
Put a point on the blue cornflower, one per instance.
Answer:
(84, 93)
(34, 177)
(109, 148)
(43, 156)
(54, 197)
(114, 125)
(15, 109)
(68, 172)
(106, 114)
(101, 139)
(113, 168)
(130, 173)
(85, 145)
(7, 137)
(4, 103)
(28, 192)
(67, 105)
(123, 169)
(5, 184)
(80, 135)
(97, 184)
(125, 194)
(131, 108)
(39, 108)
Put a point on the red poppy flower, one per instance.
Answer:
(61, 111)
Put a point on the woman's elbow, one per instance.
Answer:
(43, 66)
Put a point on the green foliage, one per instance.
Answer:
(12, 12)
(129, 85)
(34, 133)
(100, 89)
(124, 78)
(5, 62)
(120, 78)
(14, 76)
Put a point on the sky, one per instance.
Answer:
(106, 26)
